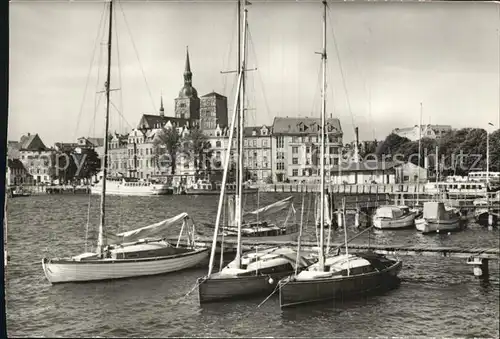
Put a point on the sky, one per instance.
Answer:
(384, 59)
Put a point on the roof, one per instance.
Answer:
(66, 145)
(248, 131)
(303, 125)
(369, 165)
(15, 164)
(214, 94)
(154, 121)
(96, 141)
(31, 142)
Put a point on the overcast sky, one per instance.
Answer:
(392, 57)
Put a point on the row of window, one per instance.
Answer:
(331, 150)
(328, 161)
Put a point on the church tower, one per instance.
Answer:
(187, 104)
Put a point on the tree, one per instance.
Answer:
(391, 145)
(66, 167)
(197, 144)
(168, 142)
(88, 162)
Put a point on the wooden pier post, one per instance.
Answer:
(339, 217)
(356, 217)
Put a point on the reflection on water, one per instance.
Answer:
(437, 296)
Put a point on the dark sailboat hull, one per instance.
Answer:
(220, 289)
(294, 293)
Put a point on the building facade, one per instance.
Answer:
(257, 152)
(17, 173)
(38, 160)
(295, 148)
(426, 131)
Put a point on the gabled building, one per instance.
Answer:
(257, 147)
(296, 147)
(38, 160)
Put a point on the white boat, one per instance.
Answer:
(438, 218)
(139, 252)
(121, 185)
(393, 217)
(255, 272)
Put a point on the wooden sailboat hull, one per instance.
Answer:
(386, 223)
(67, 270)
(219, 289)
(433, 225)
(294, 293)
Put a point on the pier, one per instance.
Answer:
(478, 258)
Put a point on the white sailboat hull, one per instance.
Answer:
(428, 225)
(67, 270)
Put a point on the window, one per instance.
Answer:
(217, 143)
(295, 172)
(280, 142)
(295, 139)
(147, 150)
(280, 166)
(217, 154)
(295, 161)
(255, 143)
(295, 150)
(281, 155)
(264, 143)
(308, 149)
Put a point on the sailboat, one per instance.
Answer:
(256, 272)
(342, 275)
(256, 225)
(139, 252)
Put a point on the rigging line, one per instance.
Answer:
(316, 92)
(120, 125)
(230, 52)
(342, 72)
(119, 113)
(266, 102)
(137, 55)
(96, 43)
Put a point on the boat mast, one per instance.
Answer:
(322, 161)
(241, 136)
(101, 241)
(419, 151)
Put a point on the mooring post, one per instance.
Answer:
(339, 218)
(356, 217)
(480, 267)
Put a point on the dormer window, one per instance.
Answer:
(254, 133)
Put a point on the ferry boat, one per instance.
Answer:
(471, 188)
(206, 187)
(121, 185)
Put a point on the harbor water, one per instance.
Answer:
(437, 296)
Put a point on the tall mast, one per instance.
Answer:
(322, 161)
(238, 65)
(241, 128)
(419, 151)
(101, 242)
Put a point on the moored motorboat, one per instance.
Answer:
(438, 218)
(205, 187)
(343, 276)
(393, 217)
(487, 211)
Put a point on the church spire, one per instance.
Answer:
(162, 110)
(187, 71)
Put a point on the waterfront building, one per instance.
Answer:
(295, 148)
(366, 172)
(17, 173)
(257, 152)
(38, 159)
(427, 131)
(118, 154)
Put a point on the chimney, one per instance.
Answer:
(29, 134)
(356, 143)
